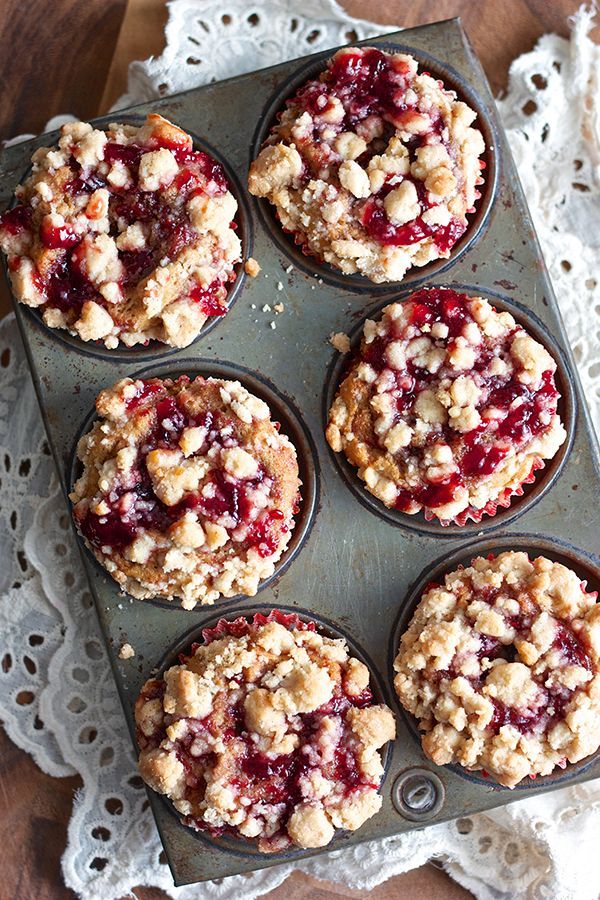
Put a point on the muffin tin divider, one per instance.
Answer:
(355, 569)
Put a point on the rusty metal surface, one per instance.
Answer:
(356, 566)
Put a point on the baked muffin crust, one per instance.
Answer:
(123, 236)
(449, 407)
(373, 166)
(266, 731)
(188, 489)
(500, 667)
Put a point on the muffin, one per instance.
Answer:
(124, 235)
(448, 407)
(265, 731)
(500, 667)
(373, 166)
(188, 489)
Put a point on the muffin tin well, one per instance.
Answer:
(282, 411)
(585, 567)
(156, 349)
(532, 492)
(453, 80)
(351, 568)
(247, 848)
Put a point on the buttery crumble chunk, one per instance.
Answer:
(266, 731)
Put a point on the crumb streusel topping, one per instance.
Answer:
(500, 666)
(373, 167)
(449, 407)
(267, 731)
(125, 235)
(188, 489)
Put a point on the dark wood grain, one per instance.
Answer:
(55, 58)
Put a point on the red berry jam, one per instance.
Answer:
(209, 299)
(60, 237)
(17, 219)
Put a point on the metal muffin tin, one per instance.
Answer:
(351, 565)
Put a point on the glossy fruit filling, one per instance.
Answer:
(521, 412)
(134, 507)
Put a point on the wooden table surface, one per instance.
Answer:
(75, 60)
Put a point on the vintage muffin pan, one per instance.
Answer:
(348, 565)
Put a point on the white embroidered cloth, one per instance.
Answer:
(58, 699)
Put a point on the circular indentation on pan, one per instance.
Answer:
(418, 794)
(544, 477)
(583, 563)
(477, 220)
(282, 410)
(231, 843)
(156, 349)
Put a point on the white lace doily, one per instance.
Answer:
(59, 701)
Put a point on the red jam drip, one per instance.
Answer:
(17, 219)
(370, 83)
(265, 533)
(136, 265)
(480, 459)
(67, 288)
(524, 720)
(148, 389)
(128, 155)
(379, 227)
(571, 648)
(529, 418)
(81, 185)
(209, 168)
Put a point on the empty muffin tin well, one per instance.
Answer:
(353, 570)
